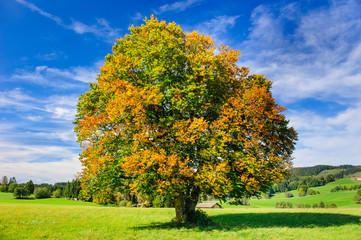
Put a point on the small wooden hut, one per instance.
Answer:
(208, 205)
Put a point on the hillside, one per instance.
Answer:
(324, 170)
(341, 199)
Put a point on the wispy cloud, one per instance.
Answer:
(62, 107)
(27, 162)
(217, 26)
(41, 12)
(56, 77)
(319, 59)
(177, 6)
(55, 107)
(313, 55)
(44, 148)
(17, 99)
(101, 28)
(51, 56)
(137, 17)
(324, 140)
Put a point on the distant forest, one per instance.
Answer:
(301, 179)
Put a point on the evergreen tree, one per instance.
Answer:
(30, 187)
(67, 192)
(12, 180)
(4, 180)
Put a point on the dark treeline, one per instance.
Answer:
(301, 179)
(44, 190)
(315, 170)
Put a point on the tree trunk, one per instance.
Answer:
(185, 205)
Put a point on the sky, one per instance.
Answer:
(51, 50)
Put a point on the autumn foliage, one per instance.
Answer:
(172, 113)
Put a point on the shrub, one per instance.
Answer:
(118, 197)
(57, 193)
(21, 192)
(333, 205)
(129, 204)
(146, 204)
(289, 195)
(321, 205)
(41, 192)
(311, 192)
(200, 218)
(315, 205)
(284, 204)
(267, 195)
(12, 187)
(359, 192)
(357, 199)
(122, 203)
(4, 188)
(159, 201)
(307, 205)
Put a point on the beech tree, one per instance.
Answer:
(172, 113)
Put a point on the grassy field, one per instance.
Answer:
(8, 198)
(33, 221)
(63, 219)
(342, 199)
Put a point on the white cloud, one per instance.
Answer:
(6, 127)
(62, 107)
(35, 118)
(30, 163)
(51, 56)
(100, 29)
(315, 54)
(60, 78)
(217, 27)
(65, 135)
(56, 107)
(177, 6)
(37, 155)
(41, 12)
(138, 16)
(331, 140)
(17, 99)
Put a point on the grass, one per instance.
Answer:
(30, 221)
(64, 219)
(8, 198)
(342, 199)
(357, 174)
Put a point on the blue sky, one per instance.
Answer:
(50, 50)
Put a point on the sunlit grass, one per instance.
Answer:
(83, 222)
(8, 198)
(65, 219)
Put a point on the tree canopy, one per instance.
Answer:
(172, 113)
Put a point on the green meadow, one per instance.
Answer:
(64, 219)
(33, 221)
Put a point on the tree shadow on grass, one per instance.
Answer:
(265, 220)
